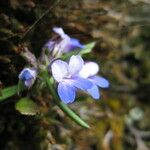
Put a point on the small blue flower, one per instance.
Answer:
(66, 74)
(28, 76)
(63, 44)
(89, 71)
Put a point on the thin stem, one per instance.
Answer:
(40, 18)
(63, 106)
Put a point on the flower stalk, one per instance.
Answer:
(61, 105)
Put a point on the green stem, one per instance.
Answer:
(63, 106)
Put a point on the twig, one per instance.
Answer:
(40, 18)
(140, 143)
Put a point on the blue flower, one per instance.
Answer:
(28, 76)
(66, 74)
(89, 71)
(63, 44)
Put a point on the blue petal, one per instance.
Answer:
(29, 83)
(94, 92)
(100, 81)
(66, 92)
(59, 70)
(75, 64)
(75, 42)
(72, 44)
(81, 83)
(26, 75)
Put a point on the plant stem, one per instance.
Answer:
(63, 106)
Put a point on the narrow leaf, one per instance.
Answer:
(9, 91)
(69, 54)
(87, 49)
(26, 106)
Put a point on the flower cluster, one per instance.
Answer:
(70, 76)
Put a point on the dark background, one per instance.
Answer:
(120, 120)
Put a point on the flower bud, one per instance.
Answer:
(28, 76)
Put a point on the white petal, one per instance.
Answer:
(59, 70)
(33, 73)
(89, 69)
(59, 31)
(63, 44)
(75, 64)
(29, 83)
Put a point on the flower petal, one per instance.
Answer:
(74, 43)
(66, 92)
(94, 92)
(81, 83)
(28, 83)
(66, 44)
(89, 69)
(63, 44)
(59, 31)
(75, 64)
(59, 70)
(100, 81)
(27, 74)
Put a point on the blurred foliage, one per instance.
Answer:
(120, 120)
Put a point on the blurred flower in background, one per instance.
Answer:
(62, 44)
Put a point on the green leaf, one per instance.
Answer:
(88, 48)
(9, 91)
(69, 54)
(27, 107)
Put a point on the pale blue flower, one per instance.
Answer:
(28, 76)
(66, 74)
(63, 44)
(89, 71)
